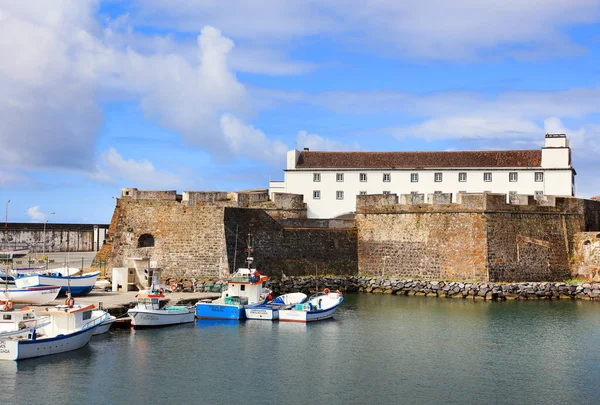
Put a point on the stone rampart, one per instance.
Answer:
(483, 237)
(194, 235)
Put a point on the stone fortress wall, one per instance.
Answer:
(480, 238)
(198, 234)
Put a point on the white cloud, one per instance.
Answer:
(59, 65)
(317, 142)
(138, 173)
(428, 29)
(248, 141)
(35, 214)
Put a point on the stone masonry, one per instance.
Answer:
(481, 238)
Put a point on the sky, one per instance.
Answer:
(182, 95)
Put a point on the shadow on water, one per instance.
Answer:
(378, 349)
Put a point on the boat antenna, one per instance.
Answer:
(235, 249)
(317, 278)
(249, 243)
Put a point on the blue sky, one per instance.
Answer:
(208, 95)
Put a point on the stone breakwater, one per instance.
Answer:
(442, 289)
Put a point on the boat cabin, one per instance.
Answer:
(67, 319)
(245, 284)
(149, 301)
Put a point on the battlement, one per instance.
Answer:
(468, 202)
(241, 199)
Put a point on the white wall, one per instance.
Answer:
(556, 182)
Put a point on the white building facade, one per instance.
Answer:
(330, 181)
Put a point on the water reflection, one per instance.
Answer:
(378, 349)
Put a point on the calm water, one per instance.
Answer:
(379, 349)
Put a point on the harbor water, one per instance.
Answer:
(378, 349)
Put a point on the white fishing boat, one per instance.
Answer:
(270, 310)
(149, 313)
(70, 328)
(41, 295)
(78, 285)
(318, 307)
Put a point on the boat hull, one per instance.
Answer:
(148, 318)
(105, 326)
(80, 285)
(264, 314)
(28, 349)
(295, 315)
(205, 310)
(40, 295)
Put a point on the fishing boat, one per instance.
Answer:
(70, 328)
(243, 288)
(40, 295)
(149, 313)
(318, 307)
(270, 310)
(78, 285)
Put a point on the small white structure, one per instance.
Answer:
(330, 181)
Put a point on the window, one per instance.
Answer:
(387, 177)
(414, 177)
(539, 176)
(487, 176)
(513, 176)
(512, 193)
(386, 192)
(86, 315)
(6, 317)
(363, 177)
(316, 176)
(462, 177)
(437, 177)
(437, 192)
(414, 192)
(146, 240)
(317, 195)
(339, 195)
(538, 193)
(339, 177)
(362, 192)
(242, 287)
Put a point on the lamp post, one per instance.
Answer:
(45, 221)
(6, 223)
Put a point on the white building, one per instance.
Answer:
(330, 181)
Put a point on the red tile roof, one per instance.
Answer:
(376, 160)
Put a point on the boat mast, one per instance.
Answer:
(235, 249)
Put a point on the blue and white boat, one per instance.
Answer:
(318, 307)
(245, 287)
(270, 311)
(78, 285)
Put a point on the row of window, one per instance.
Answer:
(437, 177)
(339, 195)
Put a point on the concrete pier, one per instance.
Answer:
(117, 303)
